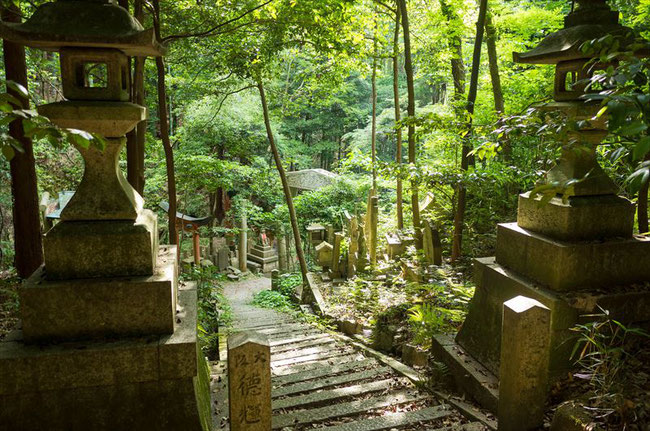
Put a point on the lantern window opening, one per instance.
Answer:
(92, 75)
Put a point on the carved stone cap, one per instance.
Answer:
(78, 23)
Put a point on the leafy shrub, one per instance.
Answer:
(272, 299)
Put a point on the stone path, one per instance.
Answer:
(321, 382)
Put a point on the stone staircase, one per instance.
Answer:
(320, 381)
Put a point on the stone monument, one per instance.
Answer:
(573, 255)
(109, 336)
(249, 382)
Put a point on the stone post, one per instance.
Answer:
(275, 279)
(354, 247)
(243, 243)
(336, 255)
(525, 353)
(249, 382)
(282, 253)
(330, 233)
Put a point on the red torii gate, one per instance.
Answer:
(190, 224)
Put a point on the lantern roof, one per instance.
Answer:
(84, 24)
(592, 19)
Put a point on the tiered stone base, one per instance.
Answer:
(106, 248)
(155, 382)
(265, 256)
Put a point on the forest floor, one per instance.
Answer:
(321, 380)
(8, 303)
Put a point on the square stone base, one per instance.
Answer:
(145, 383)
(91, 249)
(480, 334)
(565, 266)
(100, 307)
(580, 218)
(267, 264)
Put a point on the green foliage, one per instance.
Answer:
(288, 283)
(272, 299)
(603, 349)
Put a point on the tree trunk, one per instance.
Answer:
(398, 117)
(164, 133)
(138, 98)
(459, 216)
(491, 42)
(408, 68)
(642, 214)
(456, 47)
(373, 133)
(285, 185)
(28, 244)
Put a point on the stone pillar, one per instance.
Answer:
(243, 243)
(249, 382)
(525, 353)
(330, 233)
(432, 246)
(282, 253)
(336, 256)
(362, 254)
(353, 248)
(275, 279)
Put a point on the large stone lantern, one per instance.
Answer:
(108, 337)
(575, 255)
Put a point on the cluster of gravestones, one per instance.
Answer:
(360, 236)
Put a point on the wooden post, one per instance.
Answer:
(249, 382)
(197, 246)
(243, 243)
(353, 247)
(523, 373)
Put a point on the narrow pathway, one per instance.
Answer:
(320, 382)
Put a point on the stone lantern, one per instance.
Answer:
(108, 337)
(573, 256)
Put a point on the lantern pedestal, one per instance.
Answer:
(155, 381)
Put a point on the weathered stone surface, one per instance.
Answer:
(310, 179)
(336, 255)
(89, 249)
(249, 382)
(324, 254)
(572, 417)
(565, 266)
(97, 308)
(84, 24)
(480, 334)
(73, 63)
(581, 218)
(525, 352)
(104, 193)
(108, 119)
(414, 356)
(178, 352)
(397, 420)
(313, 385)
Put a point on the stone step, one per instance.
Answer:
(286, 370)
(302, 344)
(334, 394)
(311, 358)
(321, 371)
(330, 381)
(396, 420)
(281, 329)
(469, 374)
(284, 342)
(293, 334)
(305, 351)
(347, 409)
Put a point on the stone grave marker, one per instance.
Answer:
(275, 279)
(336, 256)
(249, 382)
(324, 254)
(353, 248)
(525, 354)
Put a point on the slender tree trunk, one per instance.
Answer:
(642, 206)
(138, 97)
(285, 185)
(491, 42)
(398, 117)
(163, 115)
(459, 216)
(456, 47)
(28, 244)
(373, 134)
(408, 67)
(642, 214)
